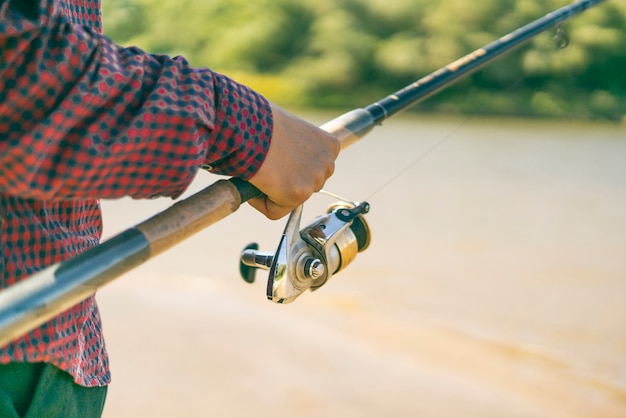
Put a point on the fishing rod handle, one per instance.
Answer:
(33, 301)
(195, 213)
(245, 189)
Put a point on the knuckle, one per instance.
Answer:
(301, 194)
(336, 147)
(330, 169)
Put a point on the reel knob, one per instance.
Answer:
(251, 259)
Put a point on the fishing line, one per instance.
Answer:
(561, 41)
(419, 158)
(336, 196)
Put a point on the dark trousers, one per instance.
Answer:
(36, 390)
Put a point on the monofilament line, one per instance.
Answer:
(421, 156)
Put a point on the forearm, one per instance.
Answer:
(83, 117)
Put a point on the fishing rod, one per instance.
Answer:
(305, 258)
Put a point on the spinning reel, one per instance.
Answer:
(307, 257)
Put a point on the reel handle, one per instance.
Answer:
(251, 260)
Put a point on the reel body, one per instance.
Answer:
(306, 258)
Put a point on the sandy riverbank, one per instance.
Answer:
(494, 287)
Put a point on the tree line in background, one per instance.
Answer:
(349, 53)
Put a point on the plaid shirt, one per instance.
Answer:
(81, 119)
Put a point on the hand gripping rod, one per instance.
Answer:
(33, 301)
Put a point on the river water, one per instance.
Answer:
(494, 287)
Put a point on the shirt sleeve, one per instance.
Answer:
(83, 117)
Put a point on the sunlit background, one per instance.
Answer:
(496, 278)
(346, 53)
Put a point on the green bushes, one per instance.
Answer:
(348, 53)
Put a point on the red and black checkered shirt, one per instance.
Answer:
(82, 118)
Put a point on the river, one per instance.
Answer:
(494, 286)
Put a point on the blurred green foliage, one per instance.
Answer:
(349, 53)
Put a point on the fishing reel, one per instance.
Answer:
(306, 258)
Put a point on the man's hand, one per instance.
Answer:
(300, 160)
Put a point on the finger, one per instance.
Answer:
(268, 208)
